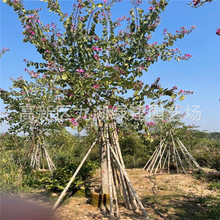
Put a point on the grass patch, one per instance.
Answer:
(180, 207)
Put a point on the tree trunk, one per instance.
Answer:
(103, 159)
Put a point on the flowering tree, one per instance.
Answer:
(31, 109)
(198, 3)
(95, 63)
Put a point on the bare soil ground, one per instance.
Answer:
(164, 196)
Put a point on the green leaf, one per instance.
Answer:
(64, 76)
(181, 97)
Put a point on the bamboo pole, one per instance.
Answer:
(125, 192)
(165, 160)
(190, 156)
(109, 173)
(185, 156)
(169, 161)
(115, 199)
(74, 175)
(131, 198)
(177, 154)
(115, 136)
(149, 160)
(161, 145)
(161, 156)
(152, 161)
(175, 157)
(130, 185)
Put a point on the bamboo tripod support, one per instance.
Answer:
(38, 151)
(118, 181)
(171, 154)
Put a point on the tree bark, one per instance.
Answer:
(103, 159)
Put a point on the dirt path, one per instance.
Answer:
(170, 196)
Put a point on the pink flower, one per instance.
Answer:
(80, 70)
(72, 119)
(218, 32)
(140, 67)
(53, 25)
(96, 56)
(75, 124)
(110, 106)
(28, 27)
(196, 2)
(188, 55)
(150, 123)
(84, 116)
(43, 39)
(59, 34)
(96, 38)
(96, 86)
(48, 51)
(32, 32)
(151, 8)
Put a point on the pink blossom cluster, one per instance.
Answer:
(156, 83)
(32, 73)
(97, 48)
(96, 56)
(150, 123)
(218, 31)
(4, 49)
(74, 123)
(185, 57)
(196, 2)
(96, 38)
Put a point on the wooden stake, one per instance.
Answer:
(159, 163)
(165, 160)
(185, 156)
(152, 161)
(149, 160)
(130, 185)
(169, 161)
(74, 175)
(161, 145)
(177, 154)
(109, 174)
(190, 156)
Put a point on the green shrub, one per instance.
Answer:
(57, 180)
(214, 185)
